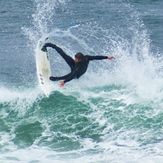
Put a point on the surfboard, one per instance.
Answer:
(43, 69)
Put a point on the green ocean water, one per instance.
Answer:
(111, 114)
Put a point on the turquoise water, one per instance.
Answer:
(111, 114)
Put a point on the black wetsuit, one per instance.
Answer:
(77, 69)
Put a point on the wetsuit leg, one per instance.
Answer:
(67, 58)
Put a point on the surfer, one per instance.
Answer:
(78, 65)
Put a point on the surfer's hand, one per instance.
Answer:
(111, 57)
(62, 83)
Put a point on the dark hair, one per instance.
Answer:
(79, 55)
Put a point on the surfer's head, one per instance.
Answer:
(78, 57)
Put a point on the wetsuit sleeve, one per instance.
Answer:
(71, 76)
(69, 79)
(90, 58)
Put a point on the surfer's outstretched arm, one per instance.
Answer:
(90, 58)
(67, 58)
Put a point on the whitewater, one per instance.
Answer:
(113, 113)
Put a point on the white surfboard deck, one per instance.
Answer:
(43, 69)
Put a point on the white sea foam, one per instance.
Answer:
(124, 96)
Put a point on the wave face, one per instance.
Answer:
(113, 113)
